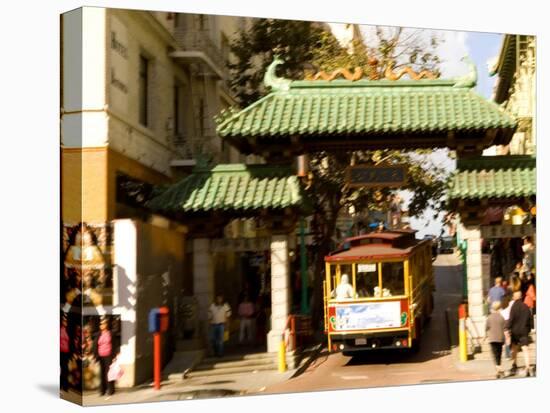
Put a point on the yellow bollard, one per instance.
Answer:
(282, 357)
(462, 339)
(462, 342)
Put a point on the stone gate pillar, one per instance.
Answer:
(280, 292)
(203, 280)
(475, 281)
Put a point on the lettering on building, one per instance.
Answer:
(117, 46)
(506, 231)
(117, 82)
(376, 176)
(241, 244)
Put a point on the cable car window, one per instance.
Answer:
(393, 279)
(366, 280)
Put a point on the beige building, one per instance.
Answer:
(515, 90)
(139, 93)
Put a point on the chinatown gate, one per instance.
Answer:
(305, 116)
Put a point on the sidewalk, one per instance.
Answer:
(485, 367)
(200, 387)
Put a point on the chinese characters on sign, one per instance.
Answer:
(376, 176)
(241, 244)
(506, 231)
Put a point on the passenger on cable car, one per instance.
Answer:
(344, 289)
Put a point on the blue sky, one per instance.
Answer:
(481, 47)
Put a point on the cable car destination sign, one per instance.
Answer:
(372, 176)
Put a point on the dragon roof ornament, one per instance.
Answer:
(272, 80)
(469, 79)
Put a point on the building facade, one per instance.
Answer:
(503, 208)
(138, 96)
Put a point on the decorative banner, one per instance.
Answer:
(366, 316)
(87, 276)
(379, 176)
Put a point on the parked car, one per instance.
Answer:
(435, 245)
(447, 245)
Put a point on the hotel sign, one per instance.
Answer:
(381, 176)
(506, 231)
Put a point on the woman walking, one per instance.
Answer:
(495, 333)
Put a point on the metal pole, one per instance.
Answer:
(303, 267)
(157, 357)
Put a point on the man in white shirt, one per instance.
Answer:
(218, 315)
(344, 289)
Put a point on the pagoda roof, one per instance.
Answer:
(368, 114)
(232, 188)
(494, 177)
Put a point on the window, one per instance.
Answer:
(180, 20)
(366, 280)
(143, 90)
(393, 280)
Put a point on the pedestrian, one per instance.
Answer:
(218, 315)
(344, 289)
(105, 355)
(506, 305)
(496, 292)
(65, 353)
(519, 324)
(528, 249)
(246, 324)
(494, 329)
(530, 294)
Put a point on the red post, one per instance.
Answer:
(157, 359)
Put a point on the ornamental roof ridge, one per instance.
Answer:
(423, 78)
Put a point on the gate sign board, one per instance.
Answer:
(376, 176)
(506, 231)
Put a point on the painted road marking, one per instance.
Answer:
(354, 377)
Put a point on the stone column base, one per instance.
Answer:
(274, 341)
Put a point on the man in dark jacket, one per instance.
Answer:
(519, 325)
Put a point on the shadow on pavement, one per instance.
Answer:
(51, 389)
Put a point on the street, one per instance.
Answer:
(434, 363)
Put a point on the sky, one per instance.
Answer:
(482, 48)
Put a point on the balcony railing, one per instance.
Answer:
(200, 41)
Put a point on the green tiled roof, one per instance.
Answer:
(366, 107)
(232, 188)
(494, 177)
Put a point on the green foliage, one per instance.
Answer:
(253, 50)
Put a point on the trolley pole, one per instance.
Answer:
(462, 336)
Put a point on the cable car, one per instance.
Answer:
(389, 295)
